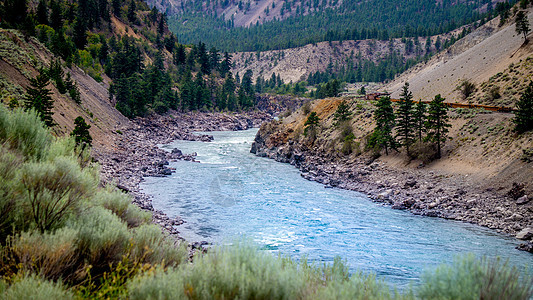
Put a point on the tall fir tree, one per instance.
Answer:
(342, 113)
(81, 133)
(437, 123)
(522, 24)
(524, 111)
(419, 118)
(38, 97)
(385, 122)
(42, 12)
(404, 119)
(311, 124)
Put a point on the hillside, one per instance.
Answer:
(485, 57)
(20, 60)
(296, 64)
(274, 25)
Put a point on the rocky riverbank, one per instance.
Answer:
(422, 192)
(136, 154)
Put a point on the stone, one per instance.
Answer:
(177, 152)
(525, 234)
(522, 200)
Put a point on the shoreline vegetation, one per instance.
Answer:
(102, 246)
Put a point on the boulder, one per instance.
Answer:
(177, 152)
(522, 200)
(525, 234)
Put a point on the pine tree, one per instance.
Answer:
(81, 133)
(225, 65)
(342, 113)
(437, 123)
(524, 111)
(404, 119)
(56, 17)
(419, 118)
(385, 122)
(522, 24)
(311, 123)
(132, 17)
(116, 5)
(38, 98)
(42, 12)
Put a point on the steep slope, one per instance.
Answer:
(296, 64)
(479, 56)
(20, 59)
(272, 25)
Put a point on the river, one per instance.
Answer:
(232, 193)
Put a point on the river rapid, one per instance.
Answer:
(232, 194)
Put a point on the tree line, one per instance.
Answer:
(352, 20)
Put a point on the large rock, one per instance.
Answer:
(522, 200)
(525, 234)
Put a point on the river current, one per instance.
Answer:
(232, 194)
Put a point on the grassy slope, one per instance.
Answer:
(20, 60)
(479, 56)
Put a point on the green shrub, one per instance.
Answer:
(23, 132)
(244, 272)
(11, 217)
(151, 245)
(51, 255)
(53, 190)
(36, 288)
(359, 286)
(120, 205)
(103, 237)
(470, 278)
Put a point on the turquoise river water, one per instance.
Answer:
(232, 193)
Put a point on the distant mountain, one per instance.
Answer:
(251, 25)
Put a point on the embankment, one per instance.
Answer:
(481, 179)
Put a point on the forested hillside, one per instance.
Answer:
(126, 45)
(304, 22)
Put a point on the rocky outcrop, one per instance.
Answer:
(420, 191)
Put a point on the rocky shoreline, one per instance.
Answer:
(422, 192)
(137, 154)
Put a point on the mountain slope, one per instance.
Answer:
(220, 23)
(95, 106)
(479, 56)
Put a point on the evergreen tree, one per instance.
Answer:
(179, 55)
(38, 97)
(81, 133)
(419, 118)
(385, 122)
(226, 64)
(522, 24)
(342, 113)
(81, 24)
(42, 12)
(132, 17)
(524, 111)
(311, 123)
(404, 119)
(247, 87)
(116, 5)
(437, 123)
(14, 12)
(56, 17)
